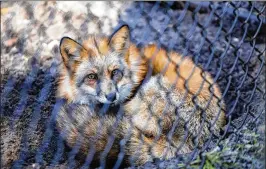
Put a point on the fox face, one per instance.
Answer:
(101, 70)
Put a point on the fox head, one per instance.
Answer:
(100, 70)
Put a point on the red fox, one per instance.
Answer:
(163, 116)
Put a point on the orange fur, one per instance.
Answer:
(181, 71)
(66, 87)
(148, 106)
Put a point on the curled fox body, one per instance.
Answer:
(158, 117)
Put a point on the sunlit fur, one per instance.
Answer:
(96, 55)
(179, 103)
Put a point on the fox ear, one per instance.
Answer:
(71, 51)
(120, 39)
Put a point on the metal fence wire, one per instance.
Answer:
(224, 39)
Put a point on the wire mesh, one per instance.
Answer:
(225, 39)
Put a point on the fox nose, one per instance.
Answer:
(111, 97)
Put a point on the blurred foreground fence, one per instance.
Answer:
(227, 39)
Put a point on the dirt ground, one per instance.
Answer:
(219, 42)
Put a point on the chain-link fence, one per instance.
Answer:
(225, 40)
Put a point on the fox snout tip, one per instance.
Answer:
(111, 97)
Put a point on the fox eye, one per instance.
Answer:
(116, 74)
(92, 76)
(90, 79)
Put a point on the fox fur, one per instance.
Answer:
(159, 116)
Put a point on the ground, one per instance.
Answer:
(220, 42)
